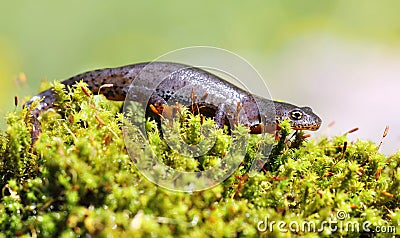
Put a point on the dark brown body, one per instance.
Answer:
(165, 81)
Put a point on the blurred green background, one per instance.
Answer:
(54, 40)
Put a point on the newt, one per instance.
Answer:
(167, 78)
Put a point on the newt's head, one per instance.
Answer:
(301, 118)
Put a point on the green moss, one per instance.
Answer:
(78, 179)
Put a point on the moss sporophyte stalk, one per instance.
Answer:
(78, 180)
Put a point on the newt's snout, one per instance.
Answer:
(301, 118)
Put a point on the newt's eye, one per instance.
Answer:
(296, 115)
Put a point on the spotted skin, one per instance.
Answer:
(222, 100)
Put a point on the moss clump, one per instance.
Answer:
(78, 180)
